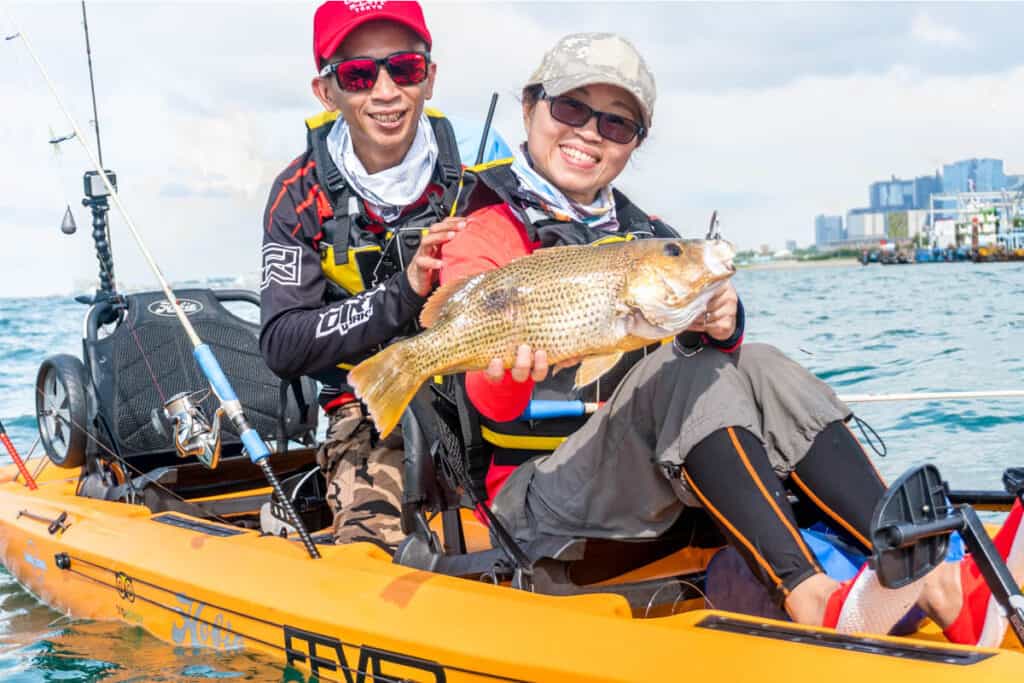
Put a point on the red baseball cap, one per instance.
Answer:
(333, 21)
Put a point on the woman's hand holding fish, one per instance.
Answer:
(422, 270)
(529, 364)
(719, 322)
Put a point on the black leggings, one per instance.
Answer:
(730, 474)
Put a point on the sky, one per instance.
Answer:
(768, 113)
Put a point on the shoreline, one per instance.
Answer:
(794, 264)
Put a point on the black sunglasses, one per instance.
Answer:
(360, 73)
(572, 112)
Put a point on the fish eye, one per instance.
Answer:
(672, 249)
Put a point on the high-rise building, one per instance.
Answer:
(924, 187)
(891, 195)
(828, 230)
(973, 175)
(896, 194)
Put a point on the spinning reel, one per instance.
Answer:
(193, 433)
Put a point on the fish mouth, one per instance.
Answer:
(718, 259)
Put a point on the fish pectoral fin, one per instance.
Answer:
(434, 309)
(593, 367)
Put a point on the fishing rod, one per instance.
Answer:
(257, 449)
(487, 129)
(92, 86)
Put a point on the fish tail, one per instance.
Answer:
(386, 385)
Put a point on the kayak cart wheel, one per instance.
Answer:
(62, 410)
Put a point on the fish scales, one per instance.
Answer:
(563, 303)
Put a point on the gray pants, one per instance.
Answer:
(618, 476)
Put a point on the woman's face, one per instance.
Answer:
(578, 161)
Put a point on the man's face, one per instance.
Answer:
(383, 119)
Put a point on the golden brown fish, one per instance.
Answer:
(593, 301)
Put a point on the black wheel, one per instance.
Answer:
(62, 410)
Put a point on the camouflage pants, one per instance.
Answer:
(364, 480)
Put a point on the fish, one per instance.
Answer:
(594, 302)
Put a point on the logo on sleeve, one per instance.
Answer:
(349, 314)
(282, 265)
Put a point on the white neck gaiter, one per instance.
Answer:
(392, 189)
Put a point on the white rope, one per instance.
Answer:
(168, 292)
(930, 396)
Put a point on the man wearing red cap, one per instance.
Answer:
(351, 238)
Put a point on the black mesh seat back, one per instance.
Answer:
(148, 358)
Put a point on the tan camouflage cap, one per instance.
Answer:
(581, 59)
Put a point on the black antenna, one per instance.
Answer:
(92, 85)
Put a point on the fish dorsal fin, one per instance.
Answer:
(592, 367)
(438, 304)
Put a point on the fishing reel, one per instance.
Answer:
(193, 433)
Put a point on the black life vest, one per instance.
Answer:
(513, 443)
(353, 258)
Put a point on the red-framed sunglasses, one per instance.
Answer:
(360, 73)
(572, 112)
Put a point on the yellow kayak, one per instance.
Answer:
(354, 615)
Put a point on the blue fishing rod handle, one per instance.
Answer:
(254, 445)
(546, 410)
(252, 441)
(211, 368)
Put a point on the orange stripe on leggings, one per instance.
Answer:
(829, 511)
(767, 496)
(735, 532)
(866, 457)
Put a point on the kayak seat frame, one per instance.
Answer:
(135, 356)
(435, 484)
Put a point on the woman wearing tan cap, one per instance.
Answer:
(703, 421)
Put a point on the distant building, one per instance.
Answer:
(828, 230)
(896, 194)
(865, 224)
(791, 245)
(974, 175)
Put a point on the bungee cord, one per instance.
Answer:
(256, 448)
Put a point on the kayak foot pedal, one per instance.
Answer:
(910, 533)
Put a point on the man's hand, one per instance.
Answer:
(719, 322)
(528, 364)
(422, 270)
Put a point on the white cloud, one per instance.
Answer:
(926, 29)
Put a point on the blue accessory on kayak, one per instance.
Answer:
(547, 410)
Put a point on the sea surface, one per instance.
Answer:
(875, 329)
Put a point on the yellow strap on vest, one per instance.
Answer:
(321, 119)
(526, 443)
(479, 168)
(347, 275)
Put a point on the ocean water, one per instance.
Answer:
(875, 329)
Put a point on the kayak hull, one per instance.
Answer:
(353, 613)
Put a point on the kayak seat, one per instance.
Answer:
(437, 474)
(136, 355)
